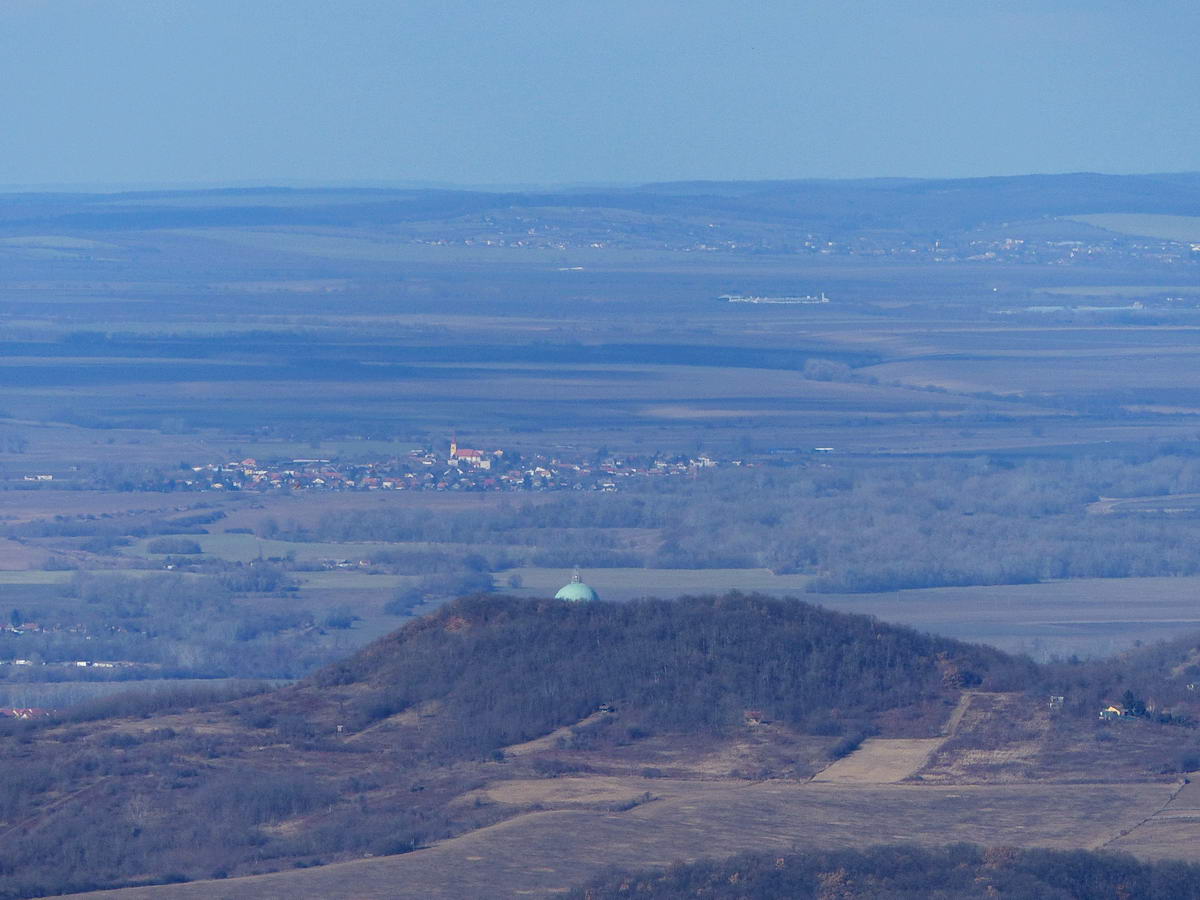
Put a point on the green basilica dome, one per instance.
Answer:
(576, 591)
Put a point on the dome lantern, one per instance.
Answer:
(576, 591)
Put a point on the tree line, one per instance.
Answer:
(908, 872)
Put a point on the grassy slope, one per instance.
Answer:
(1170, 228)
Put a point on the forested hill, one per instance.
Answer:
(504, 670)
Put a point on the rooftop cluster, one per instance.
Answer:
(429, 470)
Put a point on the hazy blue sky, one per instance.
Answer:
(550, 91)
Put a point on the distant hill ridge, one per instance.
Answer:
(887, 203)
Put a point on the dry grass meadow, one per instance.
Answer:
(560, 831)
(545, 852)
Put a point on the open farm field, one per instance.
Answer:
(25, 506)
(545, 853)
(359, 594)
(245, 547)
(1165, 227)
(1161, 377)
(307, 507)
(1051, 341)
(1122, 290)
(34, 576)
(1171, 833)
(811, 415)
(344, 450)
(1088, 617)
(1069, 435)
(18, 557)
(53, 447)
(168, 391)
(33, 599)
(350, 581)
(588, 404)
(880, 761)
(631, 351)
(366, 604)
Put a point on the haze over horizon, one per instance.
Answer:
(148, 94)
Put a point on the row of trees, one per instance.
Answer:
(908, 871)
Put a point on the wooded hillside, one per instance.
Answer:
(507, 670)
